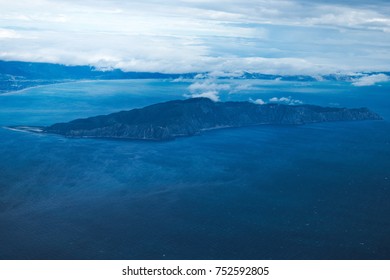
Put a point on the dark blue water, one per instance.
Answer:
(272, 192)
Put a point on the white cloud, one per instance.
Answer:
(208, 85)
(178, 80)
(344, 16)
(212, 87)
(370, 80)
(219, 36)
(200, 76)
(213, 95)
(242, 87)
(8, 34)
(209, 88)
(287, 100)
(257, 101)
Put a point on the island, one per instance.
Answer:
(168, 120)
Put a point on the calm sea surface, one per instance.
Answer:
(318, 191)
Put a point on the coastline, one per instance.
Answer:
(19, 91)
(11, 92)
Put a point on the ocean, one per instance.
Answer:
(318, 191)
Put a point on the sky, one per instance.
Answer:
(179, 36)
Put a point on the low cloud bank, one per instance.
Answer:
(286, 100)
(370, 80)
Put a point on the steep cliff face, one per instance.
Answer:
(171, 119)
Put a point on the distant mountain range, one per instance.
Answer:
(168, 120)
(16, 75)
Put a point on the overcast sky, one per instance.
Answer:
(284, 37)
